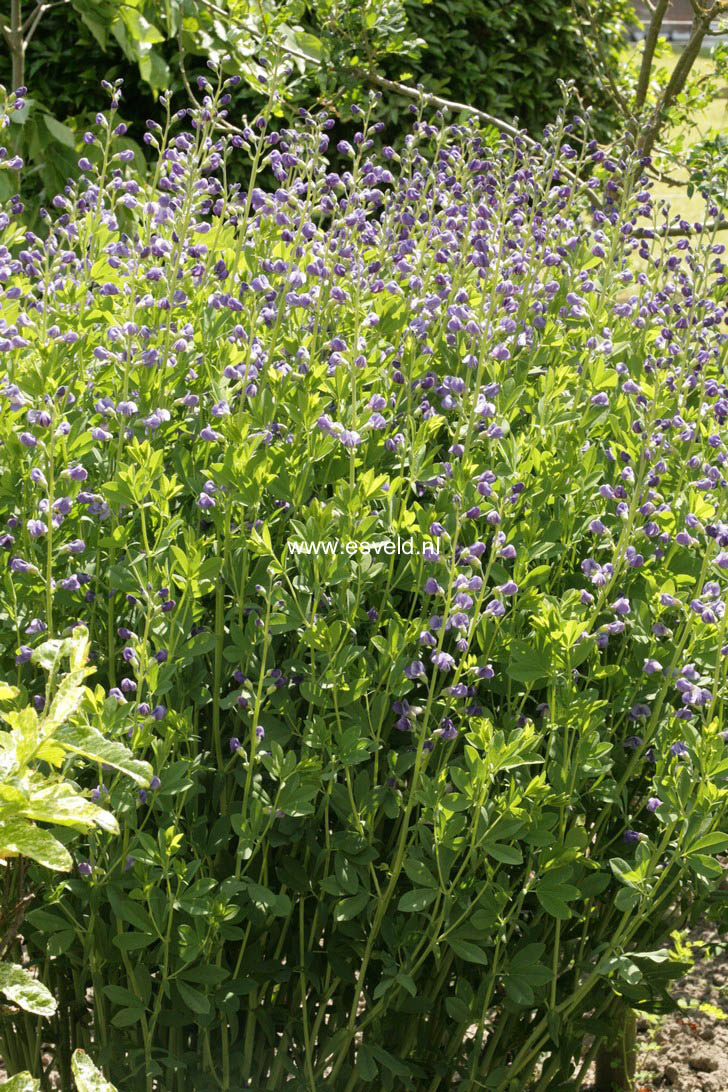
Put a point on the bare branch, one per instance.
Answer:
(719, 224)
(606, 68)
(183, 70)
(35, 15)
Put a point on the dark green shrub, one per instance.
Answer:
(506, 58)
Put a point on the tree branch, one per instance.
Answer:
(648, 53)
(719, 224)
(675, 84)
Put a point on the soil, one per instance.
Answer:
(687, 1051)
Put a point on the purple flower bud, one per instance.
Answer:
(654, 803)
(509, 588)
(159, 712)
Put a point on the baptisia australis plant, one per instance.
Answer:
(399, 796)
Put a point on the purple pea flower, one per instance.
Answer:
(678, 749)
(654, 803)
(651, 666)
(443, 661)
(415, 670)
(210, 435)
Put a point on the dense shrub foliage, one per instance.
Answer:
(418, 815)
(508, 58)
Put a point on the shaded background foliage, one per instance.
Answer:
(504, 58)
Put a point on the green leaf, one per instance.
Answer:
(526, 957)
(389, 1061)
(121, 996)
(125, 1018)
(130, 942)
(20, 987)
(131, 912)
(419, 899)
(194, 999)
(84, 740)
(519, 989)
(59, 131)
(626, 899)
(457, 1009)
(139, 28)
(527, 664)
(87, 1077)
(21, 1082)
(715, 842)
(419, 873)
(554, 897)
(347, 909)
(20, 837)
(366, 1067)
(467, 950)
(505, 854)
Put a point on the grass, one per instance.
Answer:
(713, 119)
